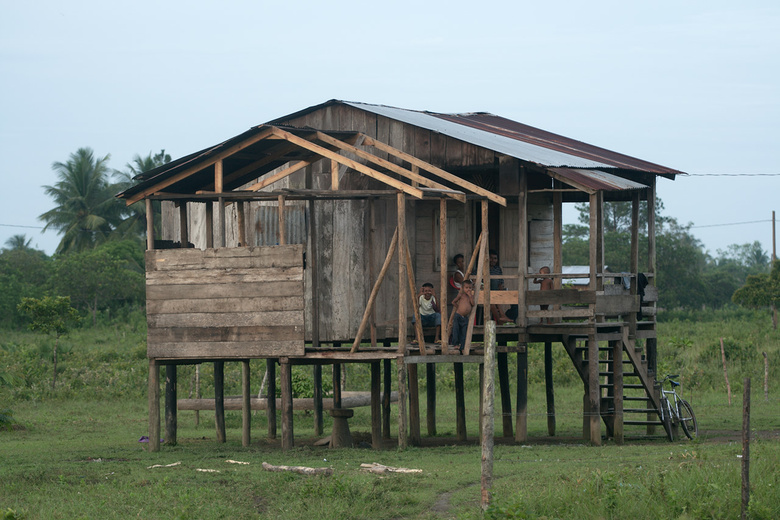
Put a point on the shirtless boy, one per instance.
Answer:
(462, 304)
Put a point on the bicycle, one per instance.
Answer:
(675, 410)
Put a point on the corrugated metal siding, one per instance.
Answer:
(265, 219)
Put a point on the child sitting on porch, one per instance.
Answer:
(430, 314)
(462, 305)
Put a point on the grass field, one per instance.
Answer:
(74, 453)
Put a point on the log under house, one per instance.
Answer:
(304, 241)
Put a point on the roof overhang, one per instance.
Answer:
(593, 181)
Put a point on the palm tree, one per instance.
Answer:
(18, 242)
(86, 211)
(134, 222)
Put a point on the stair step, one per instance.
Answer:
(607, 385)
(643, 423)
(640, 410)
(635, 398)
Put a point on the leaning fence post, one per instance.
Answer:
(725, 374)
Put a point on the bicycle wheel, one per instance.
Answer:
(687, 418)
(665, 411)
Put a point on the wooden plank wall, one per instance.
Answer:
(225, 303)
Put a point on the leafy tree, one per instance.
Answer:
(134, 223)
(103, 277)
(50, 314)
(86, 210)
(760, 290)
(23, 273)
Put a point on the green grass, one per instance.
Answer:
(74, 452)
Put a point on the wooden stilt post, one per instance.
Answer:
(285, 381)
(403, 440)
(209, 224)
(183, 224)
(317, 382)
(443, 262)
(154, 405)
(387, 387)
(246, 407)
(486, 415)
(376, 405)
(617, 388)
(594, 391)
(430, 390)
(270, 409)
(414, 406)
(548, 385)
(401, 206)
(506, 396)
(219, 399)
(481, 371)
(170, 405)
(521, 418)
(336, 385)
(313, 263)
(460, 404)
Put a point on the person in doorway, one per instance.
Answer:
(462, 305)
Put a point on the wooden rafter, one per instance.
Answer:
(249, 141)
(411, 175)
(324, 152)
(435, 170)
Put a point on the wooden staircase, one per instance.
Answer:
(627, 398)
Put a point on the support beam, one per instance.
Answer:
(271, 398)
(521, 420)
(594, 391)
(170, 405)
(460, 403)
(246, 405)
(403, 440)
(376, 406)
(183, 228)
(401, 209)
(430, 390)
(282, 230)
(154, 405)
(285, 381)
(149, 224)
(218, 184)
(387, 380)
(317, 381)
(414, 406)
(506, 397)
(522, 254)
(443, 263)
(549, 390)
(219, 400)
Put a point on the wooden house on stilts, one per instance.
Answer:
(303, 241)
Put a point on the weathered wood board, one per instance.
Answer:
(245, 302)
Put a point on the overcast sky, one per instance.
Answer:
(692, 85)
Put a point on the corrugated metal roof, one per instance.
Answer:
(594, 180)
(516, 139)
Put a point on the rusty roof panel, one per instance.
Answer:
(594, 180)
(517, 140)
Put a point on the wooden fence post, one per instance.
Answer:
(746, 449)
(725, 374)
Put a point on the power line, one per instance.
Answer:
(19, 225)
(732, 174)
(732, 223)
